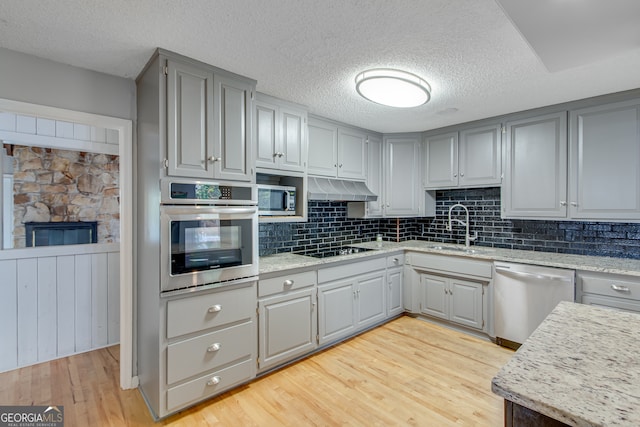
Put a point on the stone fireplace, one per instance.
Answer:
(53, 185)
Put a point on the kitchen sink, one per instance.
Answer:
(461, 249)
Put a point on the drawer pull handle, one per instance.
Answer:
(288, 282)
(215, 308)
(213, 347)
(213, 381)
(396, 260)
(620, 288)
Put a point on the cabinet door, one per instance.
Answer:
(480, 156)
(435, 301)
(266, 135)
(371, 300)
(233, 124)
(323, 148)
(402, 191)
(190, 121)
(466, 303)
(336, 317)
(441, 161)
(605, 162)
(294, 140)
(395, 305)
(352, 154)
(375, 176)
(288, 327)
(535, 182)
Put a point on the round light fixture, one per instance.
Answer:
(394, 88)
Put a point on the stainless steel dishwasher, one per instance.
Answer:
(523, 295)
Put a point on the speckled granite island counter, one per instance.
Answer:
(580, 367)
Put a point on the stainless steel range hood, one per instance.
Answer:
(337, 189)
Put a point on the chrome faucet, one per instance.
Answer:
(467, 238)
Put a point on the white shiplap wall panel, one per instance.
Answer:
(56, 305)
(99, 297)
(27, 311)
(47, 311)
(83, 302)
(113, 299)
(66, 287)
(8, 316)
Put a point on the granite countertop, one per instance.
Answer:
(286, 261)
(581, 367)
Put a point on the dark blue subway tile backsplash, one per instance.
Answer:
(329, 227)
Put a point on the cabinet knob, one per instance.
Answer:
(215, 308)
(455, 175)
(280, 154)
(396, 260)
(574, 204)
(215, 159)
(563, 203)
(340, 165)
(461, 174)
(213, 347)
(288, 282)
(213, 381)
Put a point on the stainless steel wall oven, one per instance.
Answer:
(208, 234)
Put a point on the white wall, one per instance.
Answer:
(27, 78)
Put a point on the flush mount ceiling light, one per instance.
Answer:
(394, 88)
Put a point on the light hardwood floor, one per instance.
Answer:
(406, 372)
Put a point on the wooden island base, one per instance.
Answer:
(519, 416)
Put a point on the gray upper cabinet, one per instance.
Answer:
(480, 156)
(208, 123)
(604, 158)
(323, 148)
(280, 132)
(352, 151)
(336, 151)
(402, 189)
(233, 107)
(375, 176)
(469, 158)
(441, 161)
(190, 142)
(535, 184)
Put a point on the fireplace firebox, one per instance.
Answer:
(61, 233)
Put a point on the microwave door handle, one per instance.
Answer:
(285, 200)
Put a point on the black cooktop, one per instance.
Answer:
(347, 250)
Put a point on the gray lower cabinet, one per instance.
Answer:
(208, 344)
(351, 297)
(451, 288)
(459, 301)
(287, 318)
(395, 283)
(608, 290)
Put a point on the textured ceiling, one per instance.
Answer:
(476, 61)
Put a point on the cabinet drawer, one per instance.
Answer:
(286, 283)
(211, 310)
(616, 303)
(395, 260)
(209, 351)
(208, 385)
(349, 270)
(610, 285)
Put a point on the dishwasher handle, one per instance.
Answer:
(527, 275)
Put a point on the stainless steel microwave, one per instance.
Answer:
(276, 200)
